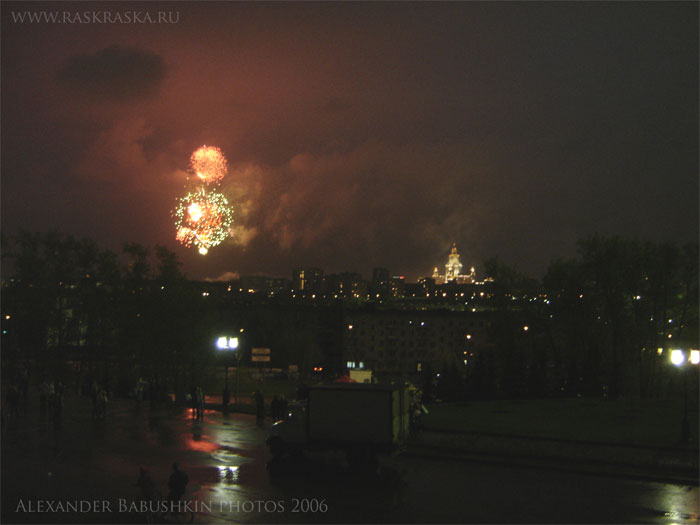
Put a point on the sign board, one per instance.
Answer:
(261, 351)
(361, 376)
(260, 358)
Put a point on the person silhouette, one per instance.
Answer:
(176, 484)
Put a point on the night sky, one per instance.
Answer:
(358, 134)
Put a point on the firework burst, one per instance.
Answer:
(208, 165)
(203, 219)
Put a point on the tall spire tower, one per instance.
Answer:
(453, 268)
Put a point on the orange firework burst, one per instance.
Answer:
(208, 164)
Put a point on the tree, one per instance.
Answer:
(514, 352)
(612, 308)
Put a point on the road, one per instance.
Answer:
(231, 480)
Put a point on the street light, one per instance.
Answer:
(695, 357)
(678, 358)
(228, 344)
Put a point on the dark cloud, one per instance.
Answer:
(362, 134)
(115, 72)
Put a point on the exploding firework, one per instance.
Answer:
(203, 219)
(208, 164)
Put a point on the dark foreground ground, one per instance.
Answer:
(232, 481)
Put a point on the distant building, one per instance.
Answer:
(397, 286)
(261, 283)
(380, 287)
(453, 271)
(427, 286)
(346, 284)
(402, 343)
(307, 279)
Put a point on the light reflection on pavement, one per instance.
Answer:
(231, 478)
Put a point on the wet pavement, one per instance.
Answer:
(233, 481)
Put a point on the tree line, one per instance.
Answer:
(601, 323)
(119, 315)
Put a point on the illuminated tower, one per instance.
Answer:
(453, 266)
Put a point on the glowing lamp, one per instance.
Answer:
(227, 343)
(677, 357)
(695, 357)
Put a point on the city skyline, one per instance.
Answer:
(357, 135)
(367, 276)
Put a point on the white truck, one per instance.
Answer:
(360, 419)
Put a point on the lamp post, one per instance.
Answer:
(228, 344)
(679, 359)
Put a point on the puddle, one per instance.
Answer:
(681, 516)
(228, 474)
(229, 456)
